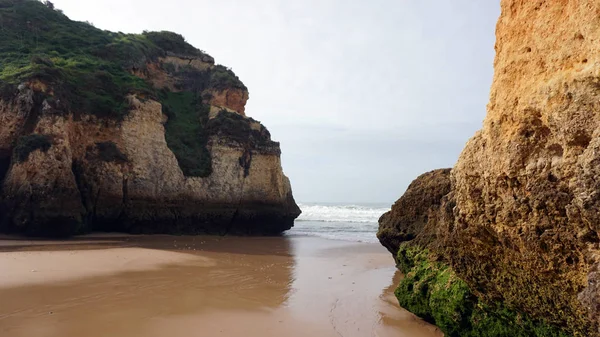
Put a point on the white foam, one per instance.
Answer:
(339, 222)
(341, 213)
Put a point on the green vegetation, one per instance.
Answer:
(185, 132)
(172, 42)
(89, 69)
(431, 290)
(85, 66)
(238, 128)
(222, 78)
(28, 144)
(109, 152)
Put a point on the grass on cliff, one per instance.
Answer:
(85, 66)
(172, 42)
(222, 78)
(238, 128)
(433, 292)
(185, 132)
(90, 70)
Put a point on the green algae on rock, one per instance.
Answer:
(432, 291)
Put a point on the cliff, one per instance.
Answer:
(518, 232)
(138, 133)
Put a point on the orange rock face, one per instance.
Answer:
(521, 221)
(234, 99)
(167, 74)
(526, 186)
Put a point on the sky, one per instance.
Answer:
(364, 96)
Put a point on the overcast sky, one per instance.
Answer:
(363, 95)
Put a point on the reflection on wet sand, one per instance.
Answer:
(198, 286)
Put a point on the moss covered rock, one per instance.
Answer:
(432, 291)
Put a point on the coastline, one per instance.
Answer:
(100, 285)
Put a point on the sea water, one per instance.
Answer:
(349, 222)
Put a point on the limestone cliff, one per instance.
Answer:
(525, 208)
(123, 132)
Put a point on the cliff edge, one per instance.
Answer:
(517, 235)
(139, 133)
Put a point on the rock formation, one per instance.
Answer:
(417, 208)
(123, 132)
(525, 207)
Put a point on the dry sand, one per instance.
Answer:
(200, 286)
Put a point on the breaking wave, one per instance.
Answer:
(339, 222)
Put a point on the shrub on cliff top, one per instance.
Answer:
(89, 70)
(173, 42)
(27, 144)
(85, 66)
(432, 291)
(238, 128)
(223, 78)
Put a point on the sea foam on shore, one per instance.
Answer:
(348, 222)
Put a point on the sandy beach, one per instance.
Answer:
(110, 285)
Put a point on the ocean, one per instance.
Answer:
(348, 222)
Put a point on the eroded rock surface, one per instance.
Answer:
(152, 138)
(526, 190)
(522, 230)
(411, 213)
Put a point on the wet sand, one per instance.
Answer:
(146, 286)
